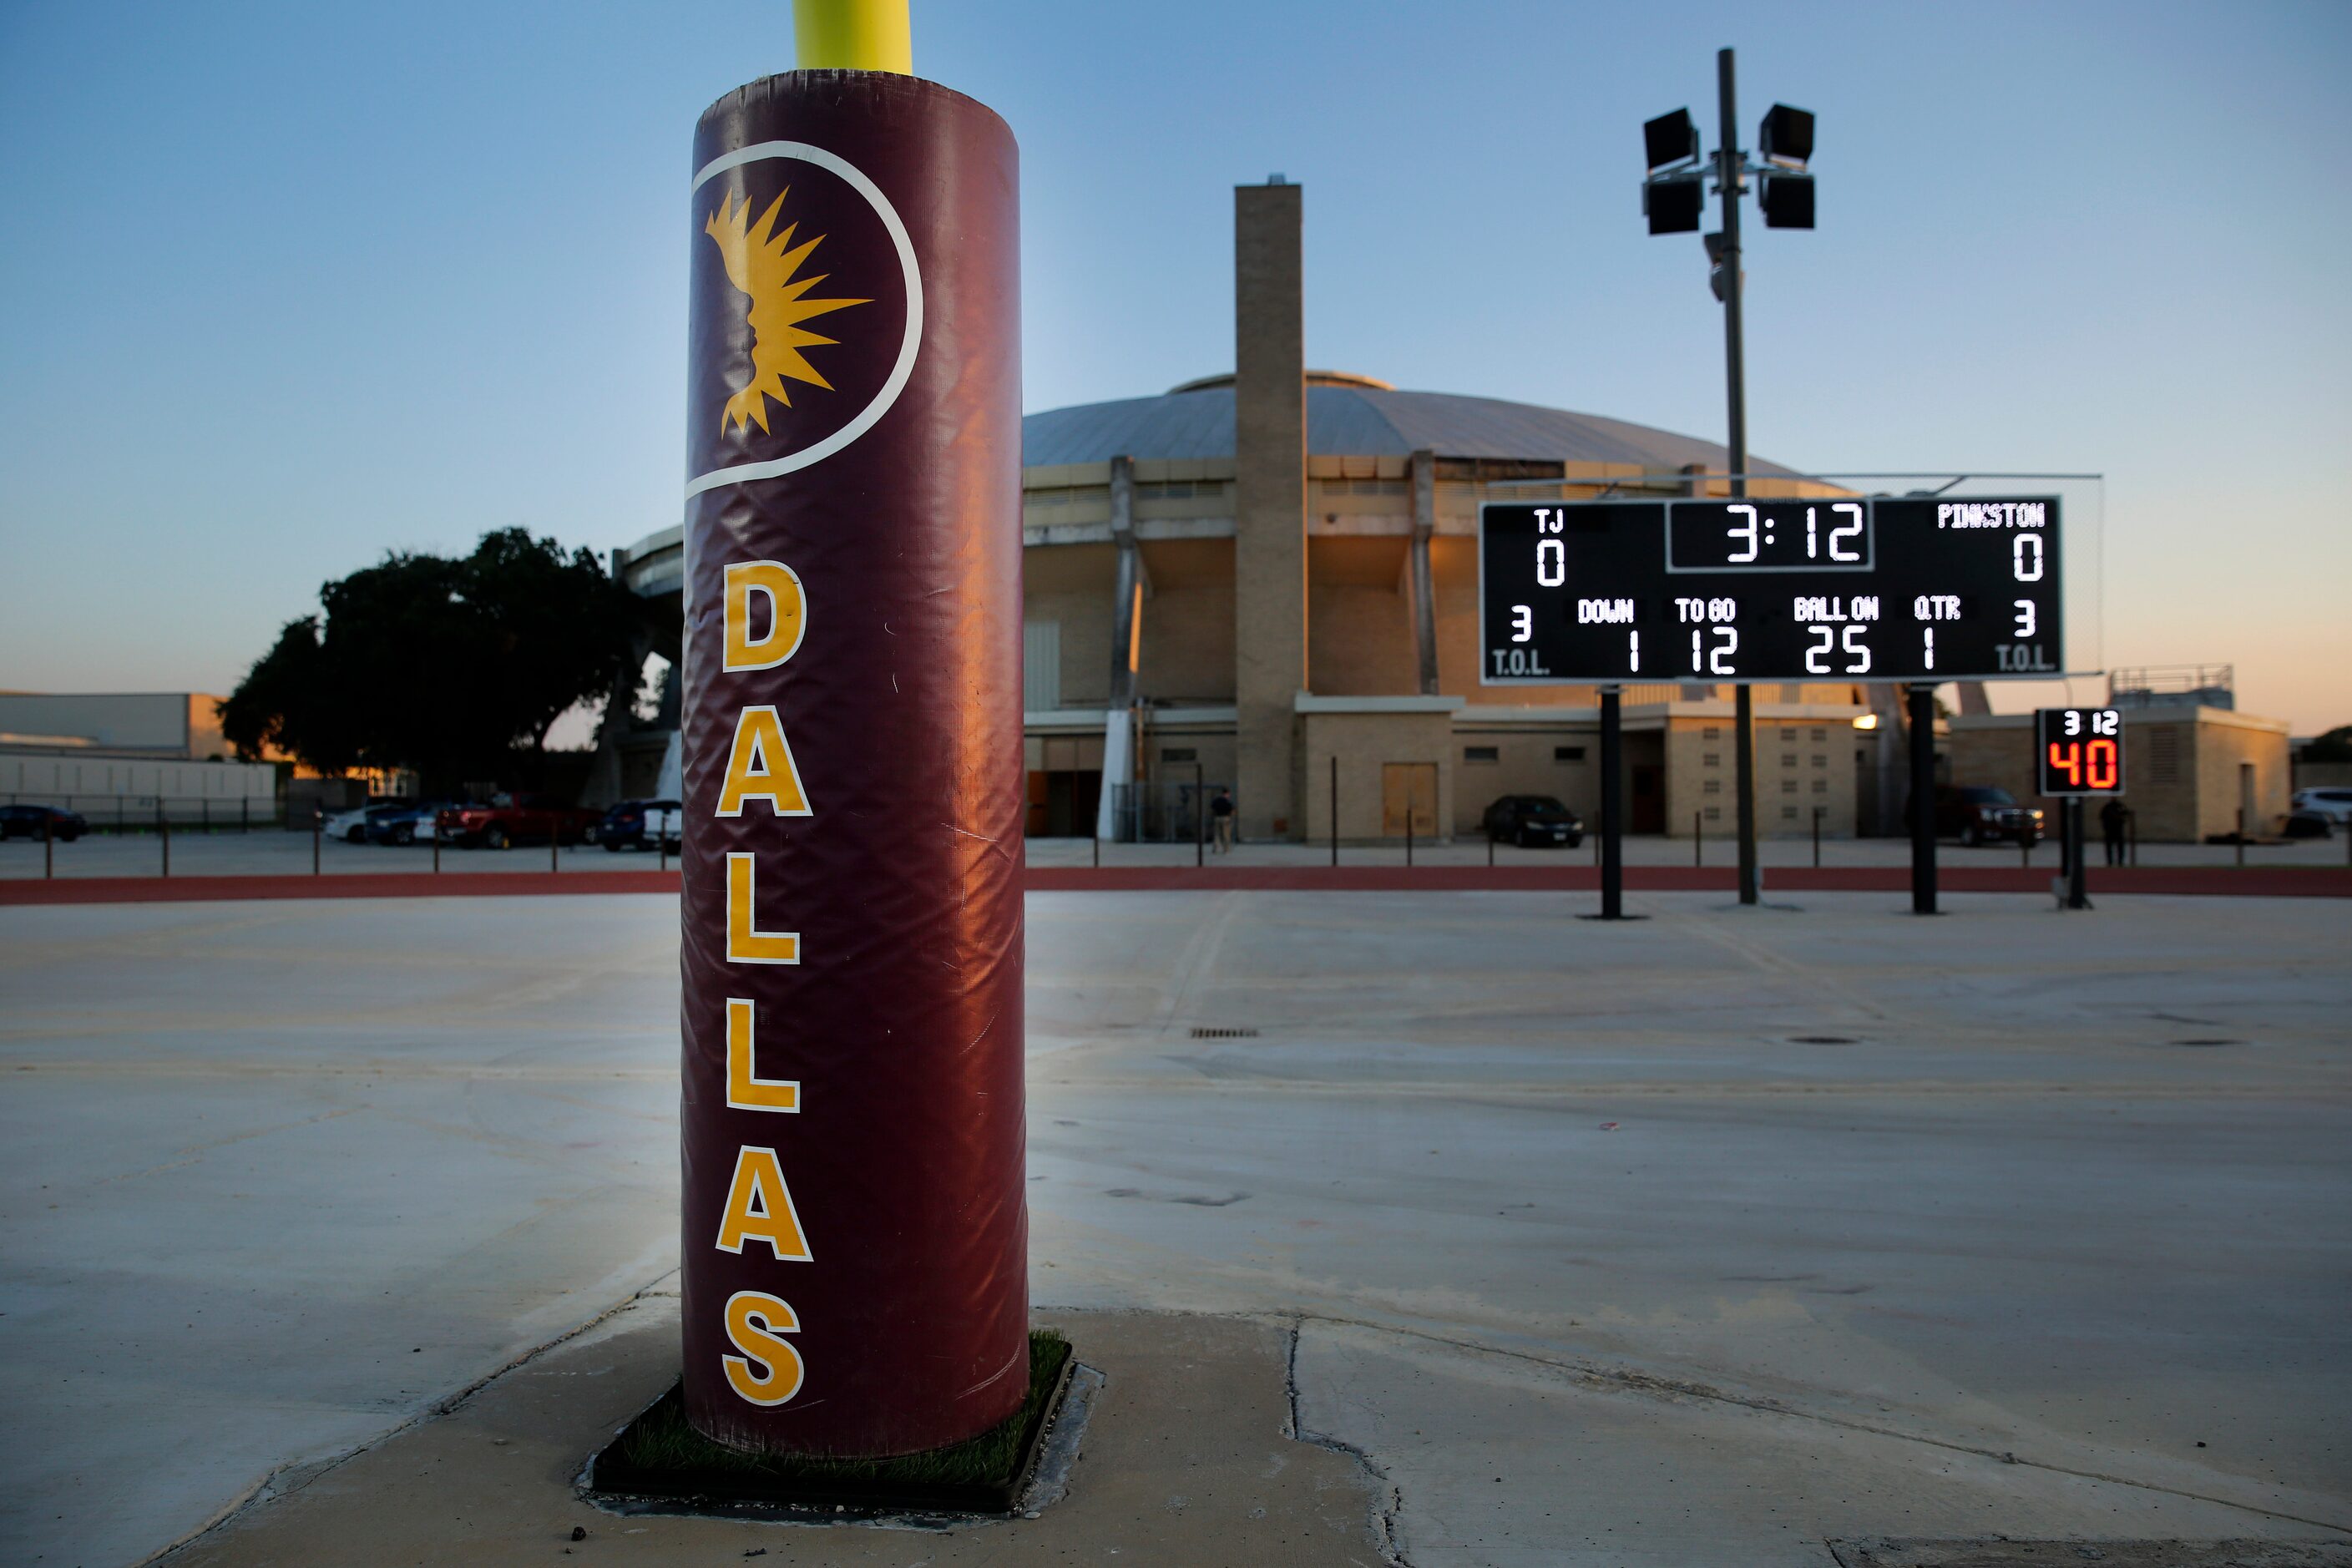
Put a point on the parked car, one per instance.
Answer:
(640, 825)
(407, 824)
(1533, 819)
(31, 821)
(351, 827)
(1980, 813)
(511, 819)
(2307, 823)
(2334, 804)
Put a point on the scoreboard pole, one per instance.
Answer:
(1923, 798)
(1735, 376)
(2078, 892)
(1612, 804)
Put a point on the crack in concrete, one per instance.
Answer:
(1390, 1501)
(1632, 1382)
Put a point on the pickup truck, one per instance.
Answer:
(1979, 814)
(511, 819)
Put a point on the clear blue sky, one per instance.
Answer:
(284, 286)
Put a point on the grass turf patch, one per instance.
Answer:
(658, 1454)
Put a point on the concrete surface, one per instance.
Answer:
(1715, 1236)
(279, 1178)
(1999, 1551)
(1186, 1461)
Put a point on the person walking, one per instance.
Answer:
(1221, 820)
(2112, 818)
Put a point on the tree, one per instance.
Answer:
(2335, 746)
(445, 666)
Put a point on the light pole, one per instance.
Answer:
(1674, 195)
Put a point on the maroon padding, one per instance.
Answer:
(902, 1021)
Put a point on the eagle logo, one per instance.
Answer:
(762, 264)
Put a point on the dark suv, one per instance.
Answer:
(1533, 819)
(1979, 814)
(33, 821)
(639, 824)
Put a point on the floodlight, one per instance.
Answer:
(1788, 201)
(1673, 204)
(1787, 135)
(1670, 139)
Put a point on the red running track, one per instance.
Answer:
(2252, 881)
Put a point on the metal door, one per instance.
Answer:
(1409, 787)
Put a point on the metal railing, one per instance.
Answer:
(2173, 684)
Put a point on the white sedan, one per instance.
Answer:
(2335, 804)
(351, 827)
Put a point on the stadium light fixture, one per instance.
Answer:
(1674, 203)
(1671, 139)
(1786, 200)
(1673, 200)
(1786, 136)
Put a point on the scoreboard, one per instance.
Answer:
(1876, 588)
(2078, 751)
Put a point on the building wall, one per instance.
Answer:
(1072, 585)
(1527, 761)
(1063, 495)
(1364, 743)
(1699, 772)
(1166, 745)
(1188, 622)
(205, 742)
(1803, 764)
(1073, 750)
(1804, 760)
(2223, 740)
(2180, 767)
(101, 787)
(1360, 640)
(1997, 751)
(117, 721)
(1188, 645)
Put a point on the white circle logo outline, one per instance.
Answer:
(758, 152)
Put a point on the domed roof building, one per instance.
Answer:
(1268, 581)
(1140, 631)
(1358, 416)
